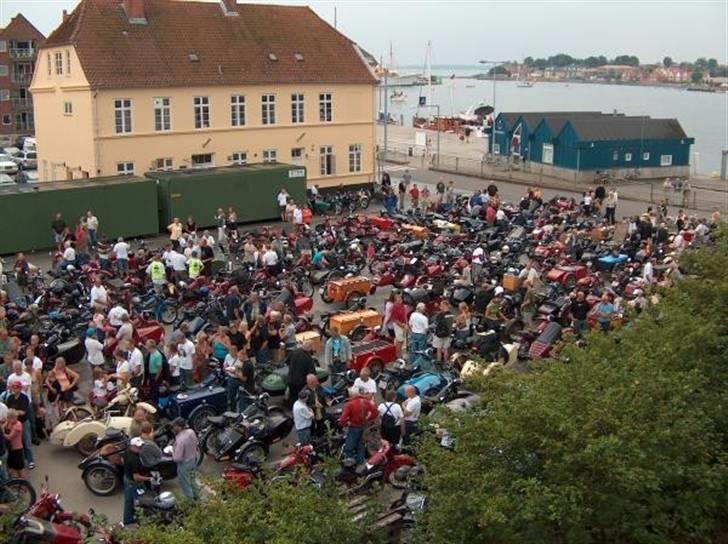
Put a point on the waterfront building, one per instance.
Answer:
(130, 86)
(19, 42)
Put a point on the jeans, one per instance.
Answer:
(91, 238)
(122, 266)
(185, 377)
(304, 435)
(130, 495)
(232, 385)
(410, 429)
(579, 326)
(610, 215)
(27, 438)
(604, 324)
(354, 444)
(187, 475)
(418, 342)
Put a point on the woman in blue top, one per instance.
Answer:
(220, 344)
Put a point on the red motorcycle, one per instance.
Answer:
(241, 476)
(380, 467)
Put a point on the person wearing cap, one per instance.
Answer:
(358, 413)
(134, 478)
(303, 416)
(185, 455)
(494, 310)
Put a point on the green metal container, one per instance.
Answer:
(276, 382)
(250, 190)
(125, 205)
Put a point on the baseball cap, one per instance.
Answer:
(498, 290)
(136, 442)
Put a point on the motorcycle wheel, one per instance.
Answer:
(77, 413)
(364, 203)
(101, 480)
(211, 442)
(375, 367)
(198, 418)
(352, 300)
(325, 293)
(358, 333)
(169, 314)
(305, 286)
(87, 445)
(17, 494)
(252, 451)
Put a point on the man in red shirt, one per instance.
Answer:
(358, 412)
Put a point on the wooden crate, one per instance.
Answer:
(419, 232)
(312, 336)
(339, 289)
(510, 282)
(344, 323)
(598, 234)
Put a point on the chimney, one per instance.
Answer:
(229, 7)
(135, 11)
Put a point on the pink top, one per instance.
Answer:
(14, 435)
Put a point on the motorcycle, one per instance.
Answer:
(382, 466)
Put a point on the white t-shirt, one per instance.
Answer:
(270, 258)
(136, 362)
(297, 216)
(115, 315)
(69, 254)
(302, 415)
(414, 407)
(100, 295)
(500, 215)
(418, 323)
(229, 364)
(92, 223)
(648, 272)
(121, 250)
(186, 350)
(174, 366)
(24, 379)
(94, 351)
(177, 261)
(370, 386)
(477, 255)
(37, 364)
(282, 199)
(122, 367)
(393, 409)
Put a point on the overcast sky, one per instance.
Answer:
(463, 32)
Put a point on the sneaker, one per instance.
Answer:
(31, 465)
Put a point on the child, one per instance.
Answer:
(14, 438)
(99, 396)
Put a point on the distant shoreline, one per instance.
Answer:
(676, 86)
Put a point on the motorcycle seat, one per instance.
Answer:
(217, 421)
(229, 415)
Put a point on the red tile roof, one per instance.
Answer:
(20, 28)
(231, 50)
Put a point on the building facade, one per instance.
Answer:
(19, 43)
(148, 85)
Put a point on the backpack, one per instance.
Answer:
(388, 420)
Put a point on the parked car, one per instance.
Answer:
(8, 165)
(11, 150)
(27, 160)
(6, 180)
(27, 176)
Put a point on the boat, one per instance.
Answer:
(525, 84)
(398, 96)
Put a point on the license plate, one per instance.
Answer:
(382, 384)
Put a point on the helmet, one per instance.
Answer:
(505, 249)
(166, 500)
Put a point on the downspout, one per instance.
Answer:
(97, 149)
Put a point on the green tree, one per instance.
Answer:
(702, 62)
(594, 62)
(540, 63)
(560, 60)
(499, 70)
(667, 62)
(627, 60)
(528, 61)
(623, 441)
(697, 76)
(712, 64)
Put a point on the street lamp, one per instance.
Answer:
(495, 64)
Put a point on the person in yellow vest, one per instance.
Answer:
(157, 272)
(194, 266)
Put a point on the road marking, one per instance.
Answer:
(398, 167)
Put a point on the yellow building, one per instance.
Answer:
(129, 86)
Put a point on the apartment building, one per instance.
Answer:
(129, 86)
(19, 42)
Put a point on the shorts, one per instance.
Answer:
(441, 343)
(281, 209)
(16, 459)
(398, 333)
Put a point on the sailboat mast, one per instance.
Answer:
(429, 72)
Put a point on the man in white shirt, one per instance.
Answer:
(69, 255)
(391, 417)
(92, 228)
(303, 416)
(412, 407)
(529, 276)
(121, 252)
(418, 326)
(136, 364)
(282, 199)
(366, 384)
(116, 315)
(476, 261)
(270, 260)
(178, 263)
(185, 350)
(230, 365)
(20, 376)
(99, 296)
(94, 348)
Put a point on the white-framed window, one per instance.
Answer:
(7, 119)
(615, 155)
(4, 70)
(665, 160)
(48, 63)
(202, 160)
(162, 114)
(326, 108)
(297, 111)
(297, 154)
(122, 115)
(268, 109)
(327, 160)
(547, 154)
(59, 63)
(496, 149)
(163, 164)
(3, 46)
(202, 111)
(270, 155)
(355, 158)
(239, 157)
(628, 157)
(68, 62)
(237, 111)
(4, 95)
(646, 156)
(68, 108)
(125, 168)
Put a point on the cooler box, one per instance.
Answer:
(339, 289)
(510, 282)
(419, 232)
(382, 223)
(345, 323)
(312, 336)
